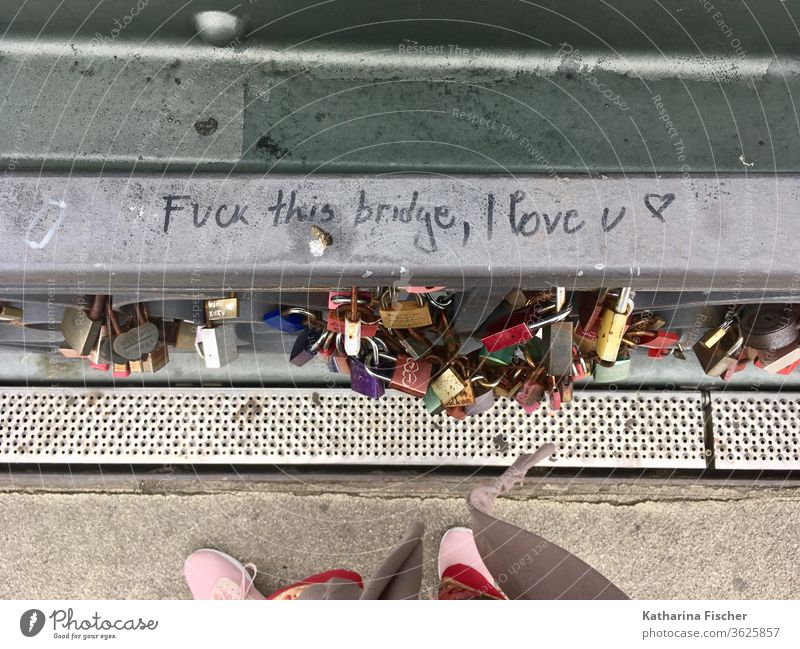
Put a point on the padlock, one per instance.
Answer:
(553, 394)
(137, 341)
(558, 342)
(363, 382)
(327, 345)
(338, 298)
(613, 323)
(411, 376)
(464, 398)
(336, 322)
(580, 368)
(10, 313)
(519, 327)
(535, 351)
(565, 389)
(770, 326)
(447, 385)
(352, 335)
(414, 343)
(68, 352)
(661, 342)
(226, 308)
(341, 363)
(774, 361)
(456, 412)
(283, 321)
(155, 360)
(501, 358)
(646, 321)
(530, 395)
(120, 370)
(404, 315)
(511, 383)
(718, 358)
(79, 331)
(306, 346)
(590, 309)
(619, 370)
(216, 345)
(712, 337)
(99, 356)
(432, 402)
(186, 335)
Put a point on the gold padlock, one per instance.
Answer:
(10, 313)
(224, 308)
(613, 322)
(467, 396)
(155, 360)
(448, 385)
(404, 315)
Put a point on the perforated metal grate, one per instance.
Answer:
(756, 431)
(599, 429)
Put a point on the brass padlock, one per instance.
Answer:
(404, 315)
(155, 360)
(225, 308)
(10, 313)
(720, 356)
(79, 330)
(613, 322)
(448, 385)
(464, 398)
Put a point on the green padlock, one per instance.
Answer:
(536, 349)
(502, 357)
(433, 403)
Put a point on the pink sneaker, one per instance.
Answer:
(462, 572)
(212, 574)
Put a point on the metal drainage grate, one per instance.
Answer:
(756, 431)
(208, 426)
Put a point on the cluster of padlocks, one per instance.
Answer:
(128, 341)
(532, 348)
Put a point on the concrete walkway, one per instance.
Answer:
(128, 539)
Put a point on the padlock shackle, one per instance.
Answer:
(441, 303)
(296, 310)
(344, 299)
(552, 319)
(369, 357)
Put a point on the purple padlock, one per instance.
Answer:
(362, 382)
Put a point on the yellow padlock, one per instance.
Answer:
(612, 327)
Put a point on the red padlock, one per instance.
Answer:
(519, 327)
(411, 376)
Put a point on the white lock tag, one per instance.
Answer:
(216, 345)
(352, 336)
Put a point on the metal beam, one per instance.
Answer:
(209, 232)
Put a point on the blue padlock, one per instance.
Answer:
(290, 323)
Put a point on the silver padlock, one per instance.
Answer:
(216, 345)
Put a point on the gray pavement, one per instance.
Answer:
(659, 541)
